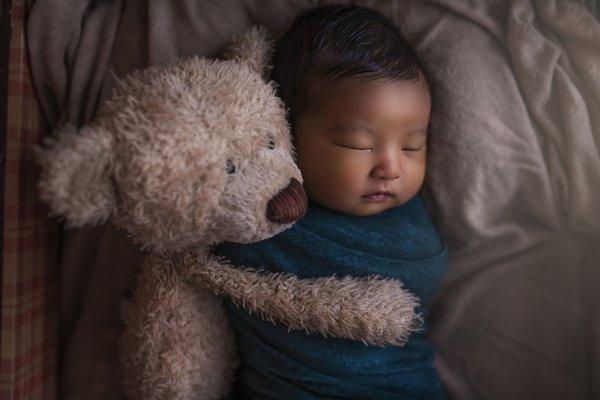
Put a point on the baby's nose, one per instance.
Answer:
(384, 174)
(388, 166)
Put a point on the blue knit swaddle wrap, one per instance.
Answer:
(399, 243)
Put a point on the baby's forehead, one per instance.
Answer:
(356, 104)
(321, 91)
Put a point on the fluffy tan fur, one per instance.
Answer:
(373, 310)
(182, 158)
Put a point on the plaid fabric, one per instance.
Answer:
(29, 333)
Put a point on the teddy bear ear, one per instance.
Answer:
(75, 175)
(253, 48)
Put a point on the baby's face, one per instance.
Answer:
(362, 149)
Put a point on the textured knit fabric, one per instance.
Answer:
(398, 243)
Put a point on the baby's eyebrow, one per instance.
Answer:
(351, 127)
(338, 127)
(420, 131)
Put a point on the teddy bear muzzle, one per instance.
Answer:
(289, 204)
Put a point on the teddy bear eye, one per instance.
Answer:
(230, 167)
(271, 144)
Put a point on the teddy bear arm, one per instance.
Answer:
(177, 342)
(369, 309)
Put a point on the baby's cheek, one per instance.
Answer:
(351, 175)
(415, 175)
(360, 164)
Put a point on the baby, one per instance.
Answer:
(358, 104)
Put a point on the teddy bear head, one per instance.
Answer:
(197, 152)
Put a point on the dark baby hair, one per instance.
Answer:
(326, 44)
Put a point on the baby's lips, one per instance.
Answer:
(289, 204)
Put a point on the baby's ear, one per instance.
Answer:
(75, 176)
(254, 48)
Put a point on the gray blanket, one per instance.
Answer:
(513, 177)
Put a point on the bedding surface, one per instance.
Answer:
(513, 177)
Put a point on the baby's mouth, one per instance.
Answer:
(378, 196)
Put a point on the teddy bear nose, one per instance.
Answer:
(288, 205)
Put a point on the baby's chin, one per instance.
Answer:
(367, 210)
(360, 208)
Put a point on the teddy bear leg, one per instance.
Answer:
(178, 342)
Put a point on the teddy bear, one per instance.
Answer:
(184, 157)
